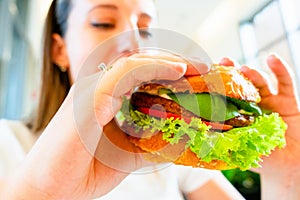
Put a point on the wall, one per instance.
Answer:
(36, 19)
(36, 16)
(219, 33)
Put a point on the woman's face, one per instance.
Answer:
(93, 21)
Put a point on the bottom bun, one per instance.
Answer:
(160, 151)
(189, 158)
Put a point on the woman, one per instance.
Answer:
(59, 166)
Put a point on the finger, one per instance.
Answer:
(226, 62)
(124, 75)
(195, 66)
(160, 56)
(283, 74)
(129, 72)
(258, 79)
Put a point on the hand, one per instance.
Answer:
(280, 171)
(286, 103)
(64, 164)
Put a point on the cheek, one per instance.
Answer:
(76, 57)
(94, 48)
(78, 50)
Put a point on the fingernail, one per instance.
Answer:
(226, 62)
(274, 56)
(244, 68)
(197, 66)
(181, 67)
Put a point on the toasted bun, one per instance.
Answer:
(158, 150)
(224, 80)
(189, 158)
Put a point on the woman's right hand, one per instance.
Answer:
(62, 163)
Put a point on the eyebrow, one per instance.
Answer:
(109, 6)
(146, 15)
(114, 7)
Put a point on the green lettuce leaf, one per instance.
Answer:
(213, 107)
(243, 147)
(238, 147)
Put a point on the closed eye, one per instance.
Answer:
(144, 33)
(103, 25)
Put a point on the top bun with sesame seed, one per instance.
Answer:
(227, 81)
(224, 80)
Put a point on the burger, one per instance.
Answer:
(210, 121)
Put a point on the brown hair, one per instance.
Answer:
(55, 84)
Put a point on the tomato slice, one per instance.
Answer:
(166, 115)
(158, 113)
(218, 126)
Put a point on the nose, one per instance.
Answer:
(130, 39)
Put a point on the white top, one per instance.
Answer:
(167, 183)
(15, 141)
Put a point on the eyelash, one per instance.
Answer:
(103, 25)
(145, 33)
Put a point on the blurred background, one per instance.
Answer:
(246, 31)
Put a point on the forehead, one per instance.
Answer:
(138, 6)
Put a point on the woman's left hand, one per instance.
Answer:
(280, 174)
